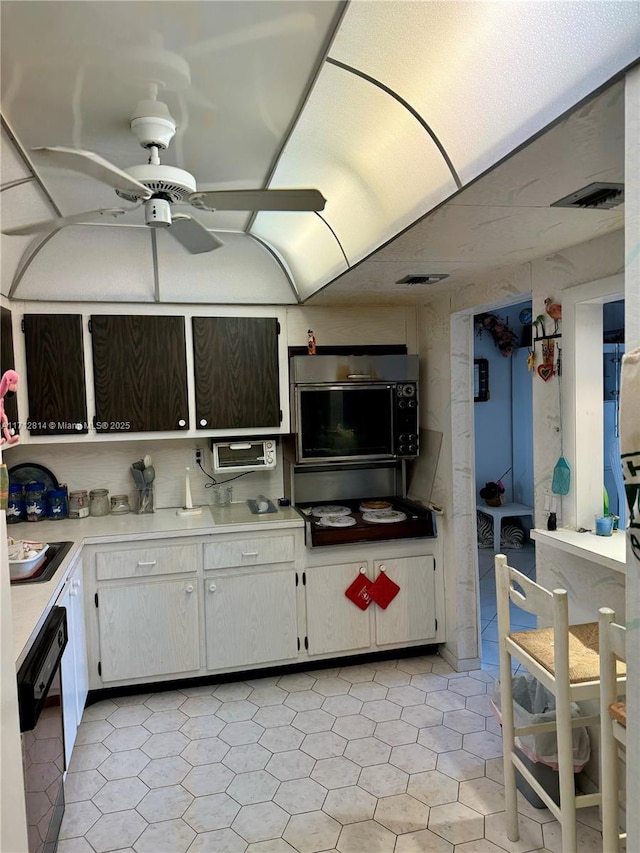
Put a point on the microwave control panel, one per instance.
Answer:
(405, 432)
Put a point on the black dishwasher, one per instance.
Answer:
(41, 724)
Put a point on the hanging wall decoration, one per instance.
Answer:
(504, 338)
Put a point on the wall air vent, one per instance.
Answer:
(422, 279)
(595, 196)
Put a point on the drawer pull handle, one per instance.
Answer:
(250, 553)
(75, 583)
(142, 563)
(212, 587)
(73, 592)
(189, 588)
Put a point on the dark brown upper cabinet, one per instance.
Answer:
(236, 372)
(7, 362)
(139, 373)
(55, 374)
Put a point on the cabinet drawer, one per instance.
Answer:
(249, 552)
(146, 562)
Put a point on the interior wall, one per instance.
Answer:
(448, 355)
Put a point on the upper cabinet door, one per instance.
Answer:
(140, 373)
(7, 362)
(236, 372)
(55, 374)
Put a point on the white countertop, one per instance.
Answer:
(609, 551)
(30, 603)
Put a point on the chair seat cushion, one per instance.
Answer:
(618, 712)
(584, 659)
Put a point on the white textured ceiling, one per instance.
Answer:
(387, 107)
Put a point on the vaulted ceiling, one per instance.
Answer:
(402, 114)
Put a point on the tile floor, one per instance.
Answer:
(523, 559)
(397, 756)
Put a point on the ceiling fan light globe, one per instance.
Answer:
(157, 213)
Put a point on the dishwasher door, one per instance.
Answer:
(41, 724)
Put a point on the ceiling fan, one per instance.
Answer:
(158, 187)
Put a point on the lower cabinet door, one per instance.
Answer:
(149, 629)
(74, 671)
(334, 623)
(250, 618)
(411, 615)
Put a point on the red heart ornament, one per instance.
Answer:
(545, 371)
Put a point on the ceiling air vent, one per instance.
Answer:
(422, 279)
(594, 197)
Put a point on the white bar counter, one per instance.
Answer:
(609, 551)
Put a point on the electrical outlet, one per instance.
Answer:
(197, 455)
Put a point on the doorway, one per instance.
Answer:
(503, 440)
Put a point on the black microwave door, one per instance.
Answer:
(345, 423)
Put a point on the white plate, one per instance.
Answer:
(337, 521)
(330, 509)
(384, 516)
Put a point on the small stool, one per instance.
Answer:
(510, 510)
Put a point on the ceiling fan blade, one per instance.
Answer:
(60, 222)
(193, 235)
(258, 200)
(94, 166)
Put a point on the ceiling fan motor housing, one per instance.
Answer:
(168, 182)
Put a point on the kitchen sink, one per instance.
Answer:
(54, 557)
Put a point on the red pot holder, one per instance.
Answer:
(384, 590)
(359, 590)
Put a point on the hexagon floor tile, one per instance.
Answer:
(396, 756)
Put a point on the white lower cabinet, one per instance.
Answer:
(334, 623)
(411, 615)
(147, 611)
(250, 617)
(74, 672)
(228, 602)
(149, 629)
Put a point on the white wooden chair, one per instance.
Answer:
(565, 659)
(613, 726)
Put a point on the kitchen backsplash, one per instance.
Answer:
(106, 466)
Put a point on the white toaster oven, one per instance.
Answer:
(244, 455)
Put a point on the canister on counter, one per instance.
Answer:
(120, 504)
(16, 507)
(99, 502)
(35, 501)
(57, 504)
(78, 504)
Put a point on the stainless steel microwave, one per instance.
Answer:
(355, 408)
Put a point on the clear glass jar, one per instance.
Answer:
(57, 504)
(78, 504)
(99, 502)
(222, 494)
(35, 501)
(120, 504)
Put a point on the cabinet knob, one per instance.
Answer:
(75, 583)
(182, 422)
(383, 568)
(203, 421)
(189, 588)
(73, 592)
(212, 587)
